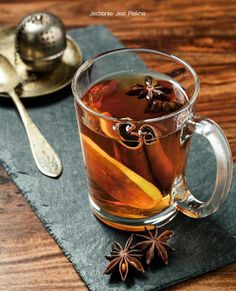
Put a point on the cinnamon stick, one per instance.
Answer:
(161, 165)
(135, 159)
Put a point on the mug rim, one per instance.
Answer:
(87, 63)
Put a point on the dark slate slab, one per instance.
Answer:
(62, 204)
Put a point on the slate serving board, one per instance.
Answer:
(62, 204)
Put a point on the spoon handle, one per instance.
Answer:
(44, 155)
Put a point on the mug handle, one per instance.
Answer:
(186, 202)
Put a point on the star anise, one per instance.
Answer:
(149, 90)
(155, 243)
(122, 258)
(156, 96)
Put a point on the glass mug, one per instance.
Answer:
(136, 168)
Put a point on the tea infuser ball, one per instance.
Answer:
(40, 41)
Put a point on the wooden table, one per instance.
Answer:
(201, 32)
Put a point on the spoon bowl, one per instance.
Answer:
(9, 78)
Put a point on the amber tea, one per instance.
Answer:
(136, 113)
(130, 169)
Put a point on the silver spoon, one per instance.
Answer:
(45, 157)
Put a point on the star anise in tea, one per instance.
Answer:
(149, 90)
(155, 243)
(122, 258)
(157, 96)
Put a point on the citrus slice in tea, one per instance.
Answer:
(118, 180)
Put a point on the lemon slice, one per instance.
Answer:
(116, 179)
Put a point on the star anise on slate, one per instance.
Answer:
(156, 95)
(122, 258)
(155, 243)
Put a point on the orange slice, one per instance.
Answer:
(107, 127)
(116, 179)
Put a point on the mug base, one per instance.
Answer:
(134, 225)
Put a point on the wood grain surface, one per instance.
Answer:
(201, 32)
